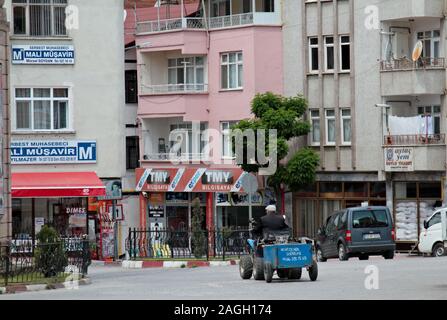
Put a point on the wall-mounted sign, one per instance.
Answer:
(113, 189)
(238, 199)
(43, 54)
(399, 159)
(53, 152)
(156, 212)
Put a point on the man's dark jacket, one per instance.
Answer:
(270, 222)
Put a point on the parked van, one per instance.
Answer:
(357, 232)
(431, 239)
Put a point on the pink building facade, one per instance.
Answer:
(197, 76)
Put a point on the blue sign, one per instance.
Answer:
(43, 54)
(53, 152)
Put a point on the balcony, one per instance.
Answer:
(414, 140)
(174, 157)
(173, 89)
(170, 25)
(404, 9)
(405, 77)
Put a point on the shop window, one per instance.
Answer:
(430, 190)
(308, 191)
(378, 190)
(356, 189)
(331, 189)
(405, 190)
(177, 197)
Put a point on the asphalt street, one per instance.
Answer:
(402, 278)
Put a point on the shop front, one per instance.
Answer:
(167, 196)
(58, 199)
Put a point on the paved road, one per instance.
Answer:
(402, 278)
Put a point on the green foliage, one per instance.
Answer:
(285, 115)
(50, 253)
(198, 238)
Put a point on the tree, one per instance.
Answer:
(50, 253)
(285, 114)
(198, 238)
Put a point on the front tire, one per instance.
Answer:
(313, 271)
(245, 267)
(320, 256)
(438, 250)
(258, 269)
(268, 272)
(342, 255)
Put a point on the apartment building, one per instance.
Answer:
(67, 100)
(378, 116)
(197, 73)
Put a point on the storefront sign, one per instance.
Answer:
(238, 199)
(399, 159)
(75, 210)
(43, 54)
(189, 180)
(53, 152)
(156, 212)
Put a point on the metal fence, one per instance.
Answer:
(408, 64)
(25, 261)
(415, 139)
(169, 244)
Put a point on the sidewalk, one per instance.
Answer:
(130, 264)
(17, 288)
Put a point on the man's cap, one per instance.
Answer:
(270, 208)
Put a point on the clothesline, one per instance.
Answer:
(410, 125)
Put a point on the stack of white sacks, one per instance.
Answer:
(406, 219)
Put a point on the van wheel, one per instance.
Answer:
(342, 255)
(438, 250)
(320, 256)
(389, 255)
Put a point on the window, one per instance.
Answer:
(313, 55)
(434, 220)
(345, 53)
(227, 150)
(184, 136)
(131, 86)
(369, 219)
(435, 113)
(315, 127)
(431, 41)
(329, 53)
(231, 70)
(41, 109)
(220, 8)
(186, 73)
(39, 17)
(132, 152)
(330, 127)
(346, 126)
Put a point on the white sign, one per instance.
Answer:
(399, 159)
(38, 224)
(43, 54)
(52, 152)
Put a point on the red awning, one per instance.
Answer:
(56, 185)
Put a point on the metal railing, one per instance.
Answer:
(181, 244)
(170, 24)
(25, 261)
(408, 64)
(175, 157)
(174, 88)
(231, 21)
(414, 139)
(195, 23)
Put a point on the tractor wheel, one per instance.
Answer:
(295, 273)
(313, 271)
(246, 267)
(282, 273)
(268, 272)
(258, 268)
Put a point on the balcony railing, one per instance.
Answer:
(231, 21)
(408, 64)
(174, 88)
(414, 139)
(175, 157)
(195, 23)
(170, 24)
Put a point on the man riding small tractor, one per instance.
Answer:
(277, 251)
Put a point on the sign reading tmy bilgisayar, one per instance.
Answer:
(53, 152)
(43, 54)
(399, 159)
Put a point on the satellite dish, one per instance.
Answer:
(417, 52)
(125, 15)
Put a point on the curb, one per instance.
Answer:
(40, 287)
(128, 264)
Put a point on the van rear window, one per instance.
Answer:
(370, 219)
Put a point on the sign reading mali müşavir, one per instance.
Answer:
(399, 159)
(43, 54)
(52, 152)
